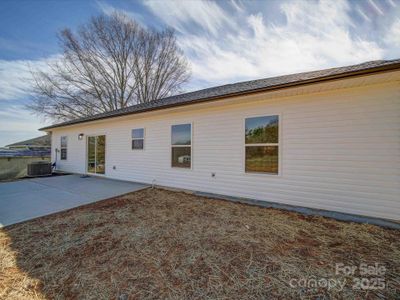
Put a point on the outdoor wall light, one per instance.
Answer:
(80, 136)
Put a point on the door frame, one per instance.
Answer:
(87, 152)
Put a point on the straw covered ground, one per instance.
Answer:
(164, 244)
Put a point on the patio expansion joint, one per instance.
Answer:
(58, 188)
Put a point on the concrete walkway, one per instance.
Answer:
(31, 198)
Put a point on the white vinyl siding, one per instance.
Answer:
(338, 150)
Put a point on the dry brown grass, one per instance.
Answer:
(164, 244)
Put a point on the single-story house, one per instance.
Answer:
(327, 139)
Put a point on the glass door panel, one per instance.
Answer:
(91, 153)
(96, 156)
(101, 154)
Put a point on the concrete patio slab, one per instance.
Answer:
(28, 199)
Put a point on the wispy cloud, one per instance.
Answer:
(109, 9)
(180, 15)
(237, 6)
(392, 3)
(16, 78)
(233, 40)
(376, 7)
(392, 36)
(254, 47)
(16, 123)
(17, 118)
(363, 15)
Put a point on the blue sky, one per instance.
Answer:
(225, 41)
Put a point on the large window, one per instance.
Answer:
(181, 146)
(138, 139)
(262, 144)
(63, 147)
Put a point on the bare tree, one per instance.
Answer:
(111, 62)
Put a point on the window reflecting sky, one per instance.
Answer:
(253, 123)
(138, 133)
(181, 134)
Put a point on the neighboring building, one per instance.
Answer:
(36, 147)
(15, 157)
(327, 139)
(39, 143)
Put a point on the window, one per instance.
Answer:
(138, 139)
(63, 147)
(181, 144)
(262, 144)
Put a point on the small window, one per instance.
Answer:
(138, 139)
(262, 144)
(63, 150)
(181, 146)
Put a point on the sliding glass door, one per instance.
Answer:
(96, 154)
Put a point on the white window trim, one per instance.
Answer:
(279, 144)
(144, 136)
(61, 147)
(191, 146)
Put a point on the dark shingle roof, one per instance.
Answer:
(41, 141)
(245, 87)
